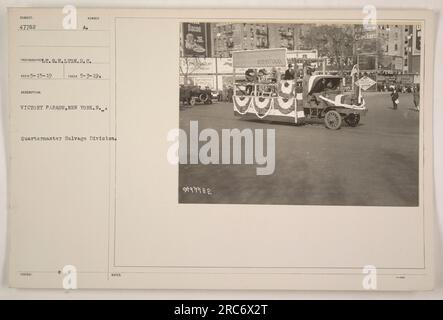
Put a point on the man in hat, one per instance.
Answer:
(290, 73)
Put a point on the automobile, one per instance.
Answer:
(327, 100)
(192, 94)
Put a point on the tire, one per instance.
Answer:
(332, 120)
(352, 119)
(204, 98)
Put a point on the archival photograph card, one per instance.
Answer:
(221, 149)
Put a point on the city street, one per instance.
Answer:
(373, 164)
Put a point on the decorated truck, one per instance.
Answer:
(265, 94)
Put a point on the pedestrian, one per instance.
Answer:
(290, 73)
(394, 97)
(416, 94)
(230, 93)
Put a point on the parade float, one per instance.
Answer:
(268, 97)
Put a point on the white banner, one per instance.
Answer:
(259, 58)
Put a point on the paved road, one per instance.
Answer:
(373, 164)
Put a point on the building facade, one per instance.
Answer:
(282, 36)
(228, 37)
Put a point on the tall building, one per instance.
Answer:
(282, 36)
(393, 39)
(389, 48)
(412, 49)
(228, 37)
(398, 44)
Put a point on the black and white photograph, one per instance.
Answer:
(300, 113)
(218, 151)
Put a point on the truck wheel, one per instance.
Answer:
(352, 119)
(332, 120)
